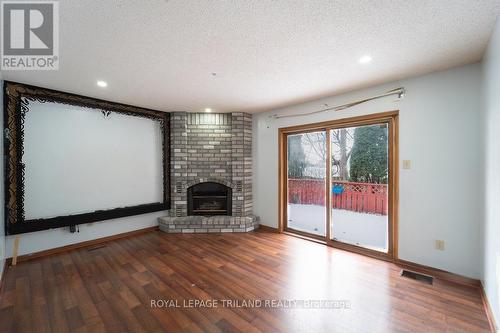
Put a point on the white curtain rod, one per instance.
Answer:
(398, 91)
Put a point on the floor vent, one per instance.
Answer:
(417, 276)
(96, 248)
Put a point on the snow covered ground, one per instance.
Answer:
(367, 230)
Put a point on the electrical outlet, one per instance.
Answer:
(440, 244)
(406, 164)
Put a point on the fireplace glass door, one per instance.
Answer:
(208, 199)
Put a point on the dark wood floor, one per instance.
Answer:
(110, 288)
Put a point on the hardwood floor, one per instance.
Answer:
(110, 288)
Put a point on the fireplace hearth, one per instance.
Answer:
(209, 199)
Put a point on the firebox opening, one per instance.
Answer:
(209, 198)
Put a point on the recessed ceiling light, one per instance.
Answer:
(102, 84)
(208, 110)
(365, 59)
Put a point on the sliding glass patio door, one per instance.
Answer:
(359, 178)
(306, 178)
(339, 183)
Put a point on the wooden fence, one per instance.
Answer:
(357, 197)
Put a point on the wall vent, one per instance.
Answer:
(178, 187)
(417, 276)
(239, 186)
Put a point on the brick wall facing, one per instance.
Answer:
(211, 147)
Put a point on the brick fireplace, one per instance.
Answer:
(211, 148)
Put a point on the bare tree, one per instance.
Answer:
(340, 138)
(341, 149)
(316, 141)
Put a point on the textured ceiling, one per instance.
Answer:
(267, 54)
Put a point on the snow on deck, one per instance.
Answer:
(367, 230)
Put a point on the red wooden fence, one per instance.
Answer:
(357, 197)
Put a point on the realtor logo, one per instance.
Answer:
(30, 35)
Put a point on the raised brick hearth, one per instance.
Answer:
(211, 148)
(203, 224)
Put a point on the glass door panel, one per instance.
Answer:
(360, 177)
(306, 182)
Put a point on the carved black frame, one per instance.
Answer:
(16, 103)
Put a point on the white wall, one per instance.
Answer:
(491, 230)
(78, 161)
(439, 133)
